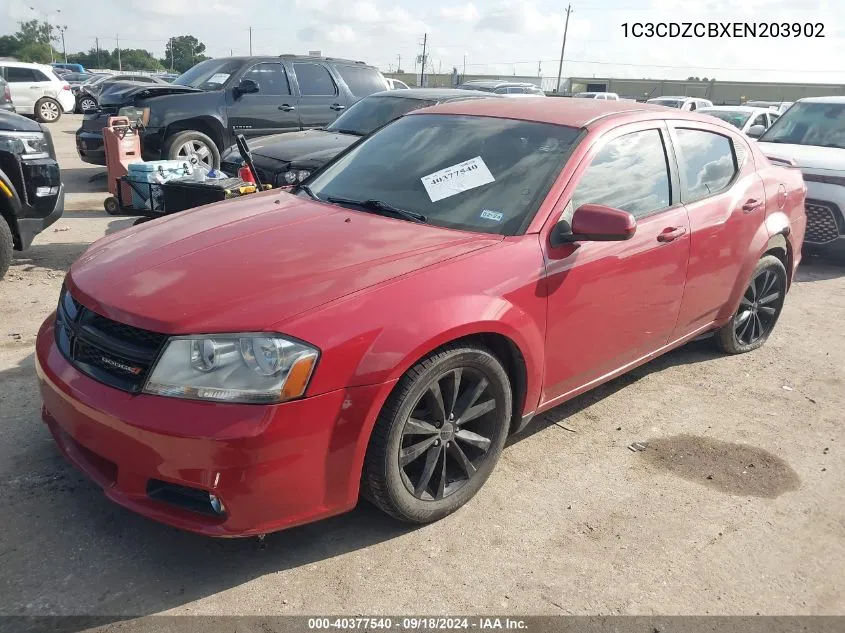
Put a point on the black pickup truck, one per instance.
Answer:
(31, 193)
(203, 110)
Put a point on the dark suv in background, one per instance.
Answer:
(203, 110)
(31, 192)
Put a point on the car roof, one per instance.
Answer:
(832, 99)
(496, 83)
(558, 111)
(433, 94)
(27, 65)
(293, 57)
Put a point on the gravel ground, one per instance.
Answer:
(737, 506)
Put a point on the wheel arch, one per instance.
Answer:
(7, 211)
(208, 125)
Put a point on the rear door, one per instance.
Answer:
(320, 99)
(725, 200)
(611, 303)
(271, 110)
(24, 88)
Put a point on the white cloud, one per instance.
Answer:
(184, 7)
(466, 13)
(520, 17)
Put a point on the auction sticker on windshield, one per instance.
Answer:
(453, 180)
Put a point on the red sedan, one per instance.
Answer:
(257, 364)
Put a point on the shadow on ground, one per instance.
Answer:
(816, 268)
(56, 256)
(79, 180)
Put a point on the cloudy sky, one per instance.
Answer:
(494, 36)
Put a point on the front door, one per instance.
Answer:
(611, 303)
(271, 110)
(320, 100)
(725, 200)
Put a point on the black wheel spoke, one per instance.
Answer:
(452, 385)
(744, 302)
(431, 457)
(461, 458)
(441, 485)
(409, 454)
(753, 290)
(742, 317)
(475, 439)
(767, 310)
(418, 427)
(469, 398)
(768, 282)
(769, 298)
(434, 399)
(741, 334)
(476, 412)
(758, 308)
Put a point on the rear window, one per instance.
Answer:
(669, 103)
(480, 174)
(15, 74)
(314, 80)
(707, 162)
(734, 117)
(362, 81)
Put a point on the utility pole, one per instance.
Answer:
(62, 30)
(465, 68)
(422, 74)
(563, 47)
(399, 68)
(250, 41)
(97, 43)
(119, 63)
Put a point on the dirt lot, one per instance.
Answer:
(737, 506)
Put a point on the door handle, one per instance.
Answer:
(337, 106)
(671, 234)
(752, 204)
(286, 108)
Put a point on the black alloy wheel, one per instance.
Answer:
(448, 434)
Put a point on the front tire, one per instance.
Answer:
(185, 145)
(6, 246)
(47, 110)
(758, 310)
(439, 435)
(86, 104)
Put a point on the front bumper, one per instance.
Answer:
(28, 228)
(272, 466)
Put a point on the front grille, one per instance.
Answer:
(821, 223)
(114, 353)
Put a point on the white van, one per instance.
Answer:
(37, 91)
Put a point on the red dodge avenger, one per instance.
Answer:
(257, 364)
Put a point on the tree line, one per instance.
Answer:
(37, 41)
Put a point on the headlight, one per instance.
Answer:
(25, 144)
(302, 174)
(135, 115)
(290, 177)
(253, 368)
(294, 176)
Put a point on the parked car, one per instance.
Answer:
(6, 102)
(395, 84)
(607, 96)
(508, 88)
(289, 158)
(202, 111)
(37, 91)
(31, 192)
(681, 103)
(415, 302)
(89, 93)
(74, 68)
(751, 121)
(811, 134)
(778, 106)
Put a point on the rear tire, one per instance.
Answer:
(47, 110)
(183, 145)
(758, 311)
(6, 246)
(86, 104)
(425, 460)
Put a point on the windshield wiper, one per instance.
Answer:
(342, 131)
(382, 207)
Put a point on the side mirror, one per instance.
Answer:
(594, 223)
(246, 87)
(756, 131)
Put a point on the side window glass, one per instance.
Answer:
(314, 80)
(692, 105)
(360, 80)
(271, 78)
(760, 120)
(39, 76)
(707, 162)
(629, 173)
(19, 75)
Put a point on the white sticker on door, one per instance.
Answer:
(453, 180)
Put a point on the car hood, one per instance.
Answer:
(136, 90)
(304, 145)
(251, 263)
(809, 157)
(11, 122)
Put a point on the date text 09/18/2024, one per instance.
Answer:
(417, 623)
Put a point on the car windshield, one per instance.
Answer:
(211, 74)
(472, 173)
(820, 124)
(669, 103)
(371, 113)
(737, 118)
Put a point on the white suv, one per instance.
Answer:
(37, 91)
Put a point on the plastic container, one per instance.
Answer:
(154, 172)
(187, 194)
